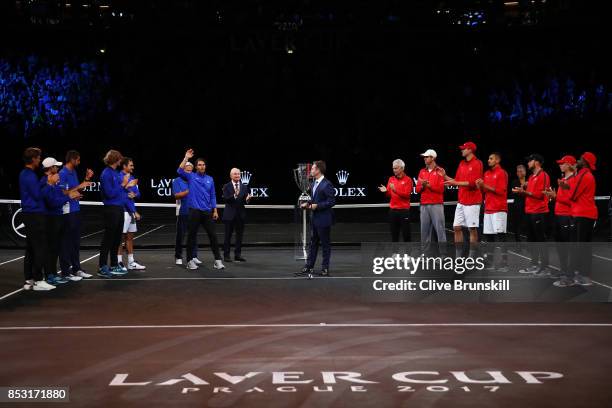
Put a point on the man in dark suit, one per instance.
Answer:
(236, 195)
(323, 199)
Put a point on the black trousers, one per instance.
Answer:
(517, 224)
(563, 225)
(399, 221)
(113, 230)
(236, 224)
(536, 234)
(182, 227)
(320, 236)
(36, 246)
(70, 261)
(54, 228)
(582, 254)
(204, 218)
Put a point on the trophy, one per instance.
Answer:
(303, 180)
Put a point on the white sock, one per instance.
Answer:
(131, 258)
(120, 258)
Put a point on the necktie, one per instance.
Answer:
(236, 188)
(314, 189)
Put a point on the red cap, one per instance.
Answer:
(567, 159)
(590, 159)
(468, 145)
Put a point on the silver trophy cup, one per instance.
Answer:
(303, 180)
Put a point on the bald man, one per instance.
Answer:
(236, 196)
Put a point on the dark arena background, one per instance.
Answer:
(264, 86)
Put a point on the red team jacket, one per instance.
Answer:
(400, 199)
(563, 205)
(496, 201)
(434, 193)
(469, 171)
(582, 195)
(538, 202)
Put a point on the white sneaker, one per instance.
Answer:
(136, 265)
(218, 264)
(192, 265)
(72, 278)
(197, 261)
(178, 261)
(42, 285)
(83, 274)
(28, 284)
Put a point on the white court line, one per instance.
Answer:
(92, 234)
(602, 257)
(558, 269)
(21, 257)
(83, 261)
(12, 260)
(297, 325)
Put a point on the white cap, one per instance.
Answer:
(189, 164)
(430, 152)
(49, 162)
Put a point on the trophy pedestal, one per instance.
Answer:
(303, 180)
(302, 235)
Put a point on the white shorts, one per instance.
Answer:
(495, 223)
(467, 216)
(128, 224)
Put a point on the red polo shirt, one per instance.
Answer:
(563, 205)
(537, 203)
(434, 192)
(496, 201)
(582, 195)
(400, 198)
(469, 171)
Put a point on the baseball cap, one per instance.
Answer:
(430, 152)
(567, 159)
(49, 162)
(535, 156)
(468, 145)
(590, 159)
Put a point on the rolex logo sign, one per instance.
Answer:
(259, 192)
(343, 190)
(245, 177)
(342, 176)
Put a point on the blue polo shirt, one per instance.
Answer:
(69, 178)
(202, 194)
(130, 205)
(54, 197)
(110, 187)
(30, 192)
(178, 186)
